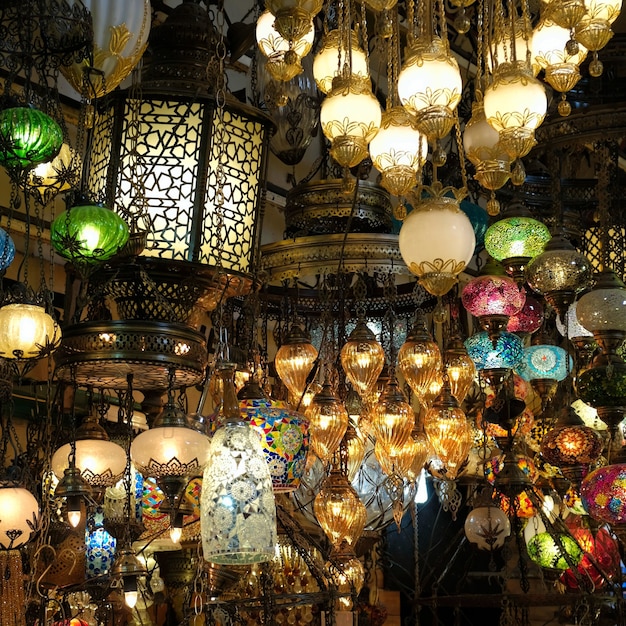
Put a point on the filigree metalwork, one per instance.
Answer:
(449, 496)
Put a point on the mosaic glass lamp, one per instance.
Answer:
(27, 137)
(603, 492)
(506, 354)
(528, 319)
(88, 233)
(7, 250)
(544, 361)
(548, 551)
(237, 507)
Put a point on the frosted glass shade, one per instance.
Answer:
(507, 353)
(20, 515)
(237, 508)
(26, 330)
(170, 451)
(548, 46)
(487, 527)
(328, 63)
(101, 463)
(272, 43)
(436, 242)
(572, 327)
(604, 307)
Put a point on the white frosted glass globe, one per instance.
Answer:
(19, 518)
(170, 451)
(572, 327)
(398, 144)
(548, 46)
(272, 43)
(515, 99)
(480, 140)
(327, 61)
(101, 463)
(442, 232)
(487, 527)
(25, 329)
(602, 309)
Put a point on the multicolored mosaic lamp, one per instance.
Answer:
(544, 366)
(554, 551)
(528, 319)
(495, 361)
(603, 492)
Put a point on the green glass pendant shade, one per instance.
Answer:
(88, 233)
(28, 137)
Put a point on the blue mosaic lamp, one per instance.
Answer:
(507, 353)
(99, 546)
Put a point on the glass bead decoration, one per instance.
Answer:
(507, 353)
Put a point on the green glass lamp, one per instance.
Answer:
(27, 137)
(88, 233)
(549, 550)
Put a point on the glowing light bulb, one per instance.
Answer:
(74, 512)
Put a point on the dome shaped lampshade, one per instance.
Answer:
(20, 517)
(294, 361)
(603, 492)
(362, 358)
(350, 117)
(545, 361)
(603, 386)
(398, 151)
(515, 105)
(430, 87)
(237, 508)
(603, 308)
(507, 353)
(170, 448)
(284, 437)
(329, 62)
(594, 29)
(339, 510)
(27, 137)
(88, 233)
(437, 242)
(528, 319)
(26, 331)
(487, 527)
(7, 250)
(559, 273)
(548, 550)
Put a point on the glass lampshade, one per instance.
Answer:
(544, 361)
(525, 473)
(52, 177)
(392, 418)
(430, 86)
(569, 446)
(437, 242)
(362, 358)
(603, 386)
(548, 49)
(545, 551)
(419, 358)
(294, 17)
(237, 508)
(559, 273)
(20, 517)
(515, 105)
(459, 367)
(7, 249)
(603, 492)
(339, 511)
(566, 13)
(99, 546)
(101, 462)
(329, 62)
(398, 151)
(284, 437)
(170, 448)
(294, 361)
(528, 319)
(348, 575)
(328, 421)
(571, 327)
(507, 353)
(608, 10)
(88, 233)
(603, 308)
(492, 295)
(354, 441)
(513, 237)
(448, 431)
(26, 331)
(350, 117)
(27, 137)
(487, 527)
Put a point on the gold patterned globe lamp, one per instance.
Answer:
(515, 105)
(430, 86)
(332, 57)
(362, 359)
(350, 117)
(294, 19)
(594, 30)
(398, 151)
(437, 240)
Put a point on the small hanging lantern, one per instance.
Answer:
(362, 358)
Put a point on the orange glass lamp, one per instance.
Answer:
(392, 419)
(459, 367)
(294, 361)
(362, 359)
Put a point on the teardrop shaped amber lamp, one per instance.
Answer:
(294, 361)
(328, 421)
(362, 358)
